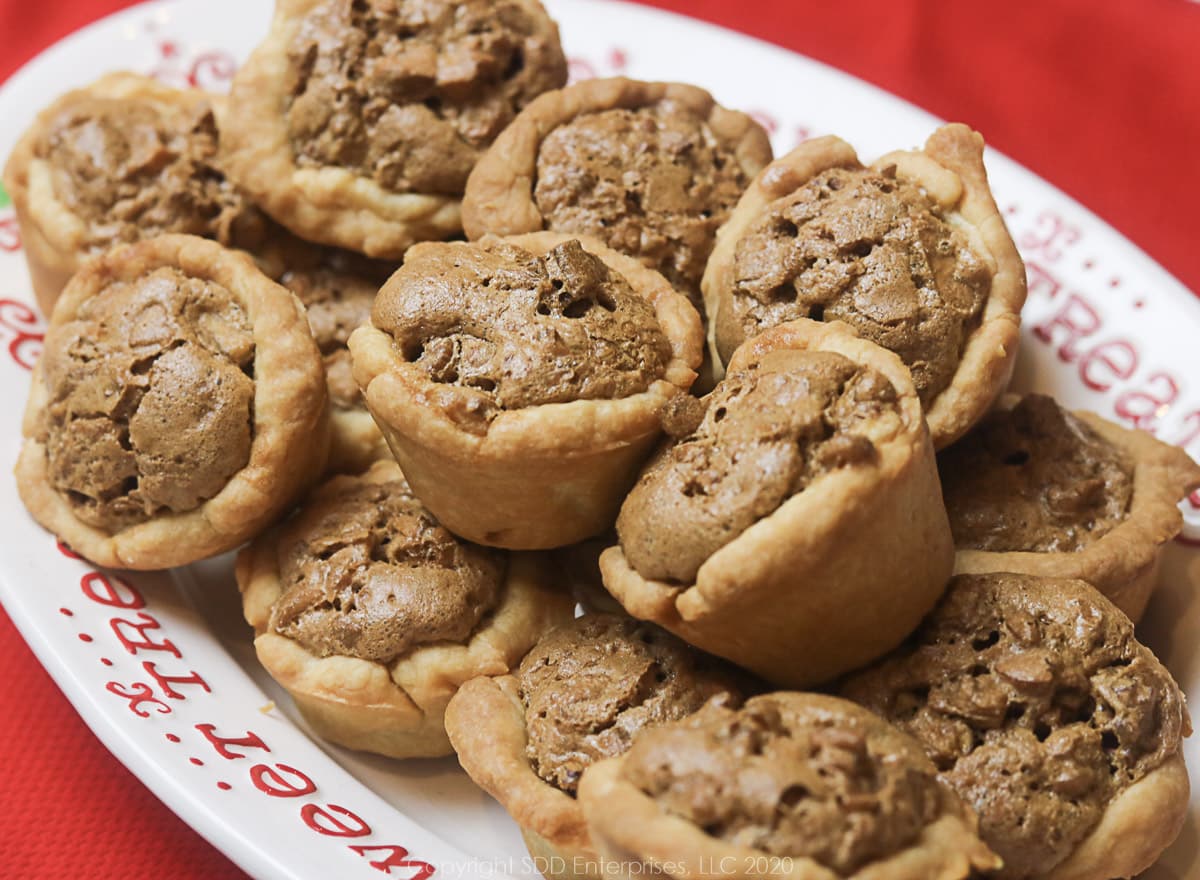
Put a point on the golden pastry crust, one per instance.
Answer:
(486, 723)
(53, 237)
(329, 204)
(542, 476)
(355, 442)
(950, 170)
(290, 421)
(635, 836)
(1123, 563)
(500, 191)
(1141, 822)
(839, 573)
(395, 709)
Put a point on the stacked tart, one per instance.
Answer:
(444, 345)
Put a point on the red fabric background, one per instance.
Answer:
(1101, 97)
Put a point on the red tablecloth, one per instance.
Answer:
(1101, 97)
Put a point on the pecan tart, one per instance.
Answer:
(356, 122)
(1036, 489)
(120, 160)
(790, 785)
(371, 614)
(584, 693)
(1041, 709)
(650, 169)
(794, 523)
(178, 408)
(911, 252)
(519, 381)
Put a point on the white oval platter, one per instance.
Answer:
(161, 666)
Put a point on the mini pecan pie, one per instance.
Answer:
(1041, 709)
(371, 614)
(1036, 489)
(178, 408)
(120, 160)
(650, 169)
(794, 524)
(584, 693)
(519, 381)
(356, 122)
(790, 785)
(910, 251)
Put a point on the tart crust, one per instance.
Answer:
(1134, 829)
(290, 427)
(395, 709)
(499, 197)
(486, 723)
(636, 837)
(329, 204)
(840, 573)
(52, 236)
(1123, 563)
(950, 169)
(542, 476)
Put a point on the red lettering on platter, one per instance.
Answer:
(1040, 281)
(1190, 434)
(1073, 322)
(137, 694)
(116, 592)
(165, 681)
(10, 235)
(1140, 407)
(133, 635)
(19, 322)
(65, 550)
(221, 744)
(394, 857)
(274, 781)
(323, 821)
(1051, 234)
(1194, 500)
(1116, 359)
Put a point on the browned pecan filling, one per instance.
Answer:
(151, 395)
(367, 572)
(866, 248)
(511, 330)
(762, 436)
(591, 686)
(337, 301)
(1034, 478)
(810, 784)
(652, 182)
(1036, 703)
(409, 92)
(133, 169)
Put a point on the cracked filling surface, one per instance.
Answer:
(1036, 703)
(509, 329)
(410, 92)
(1034, 478)
(591, 686)
(338, 301)
(131, 169)
(763, 435)
(866, 248)
(151, 399)
(368, 572)
(806, 782)
(652, 182)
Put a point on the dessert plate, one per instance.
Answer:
(161, 666)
